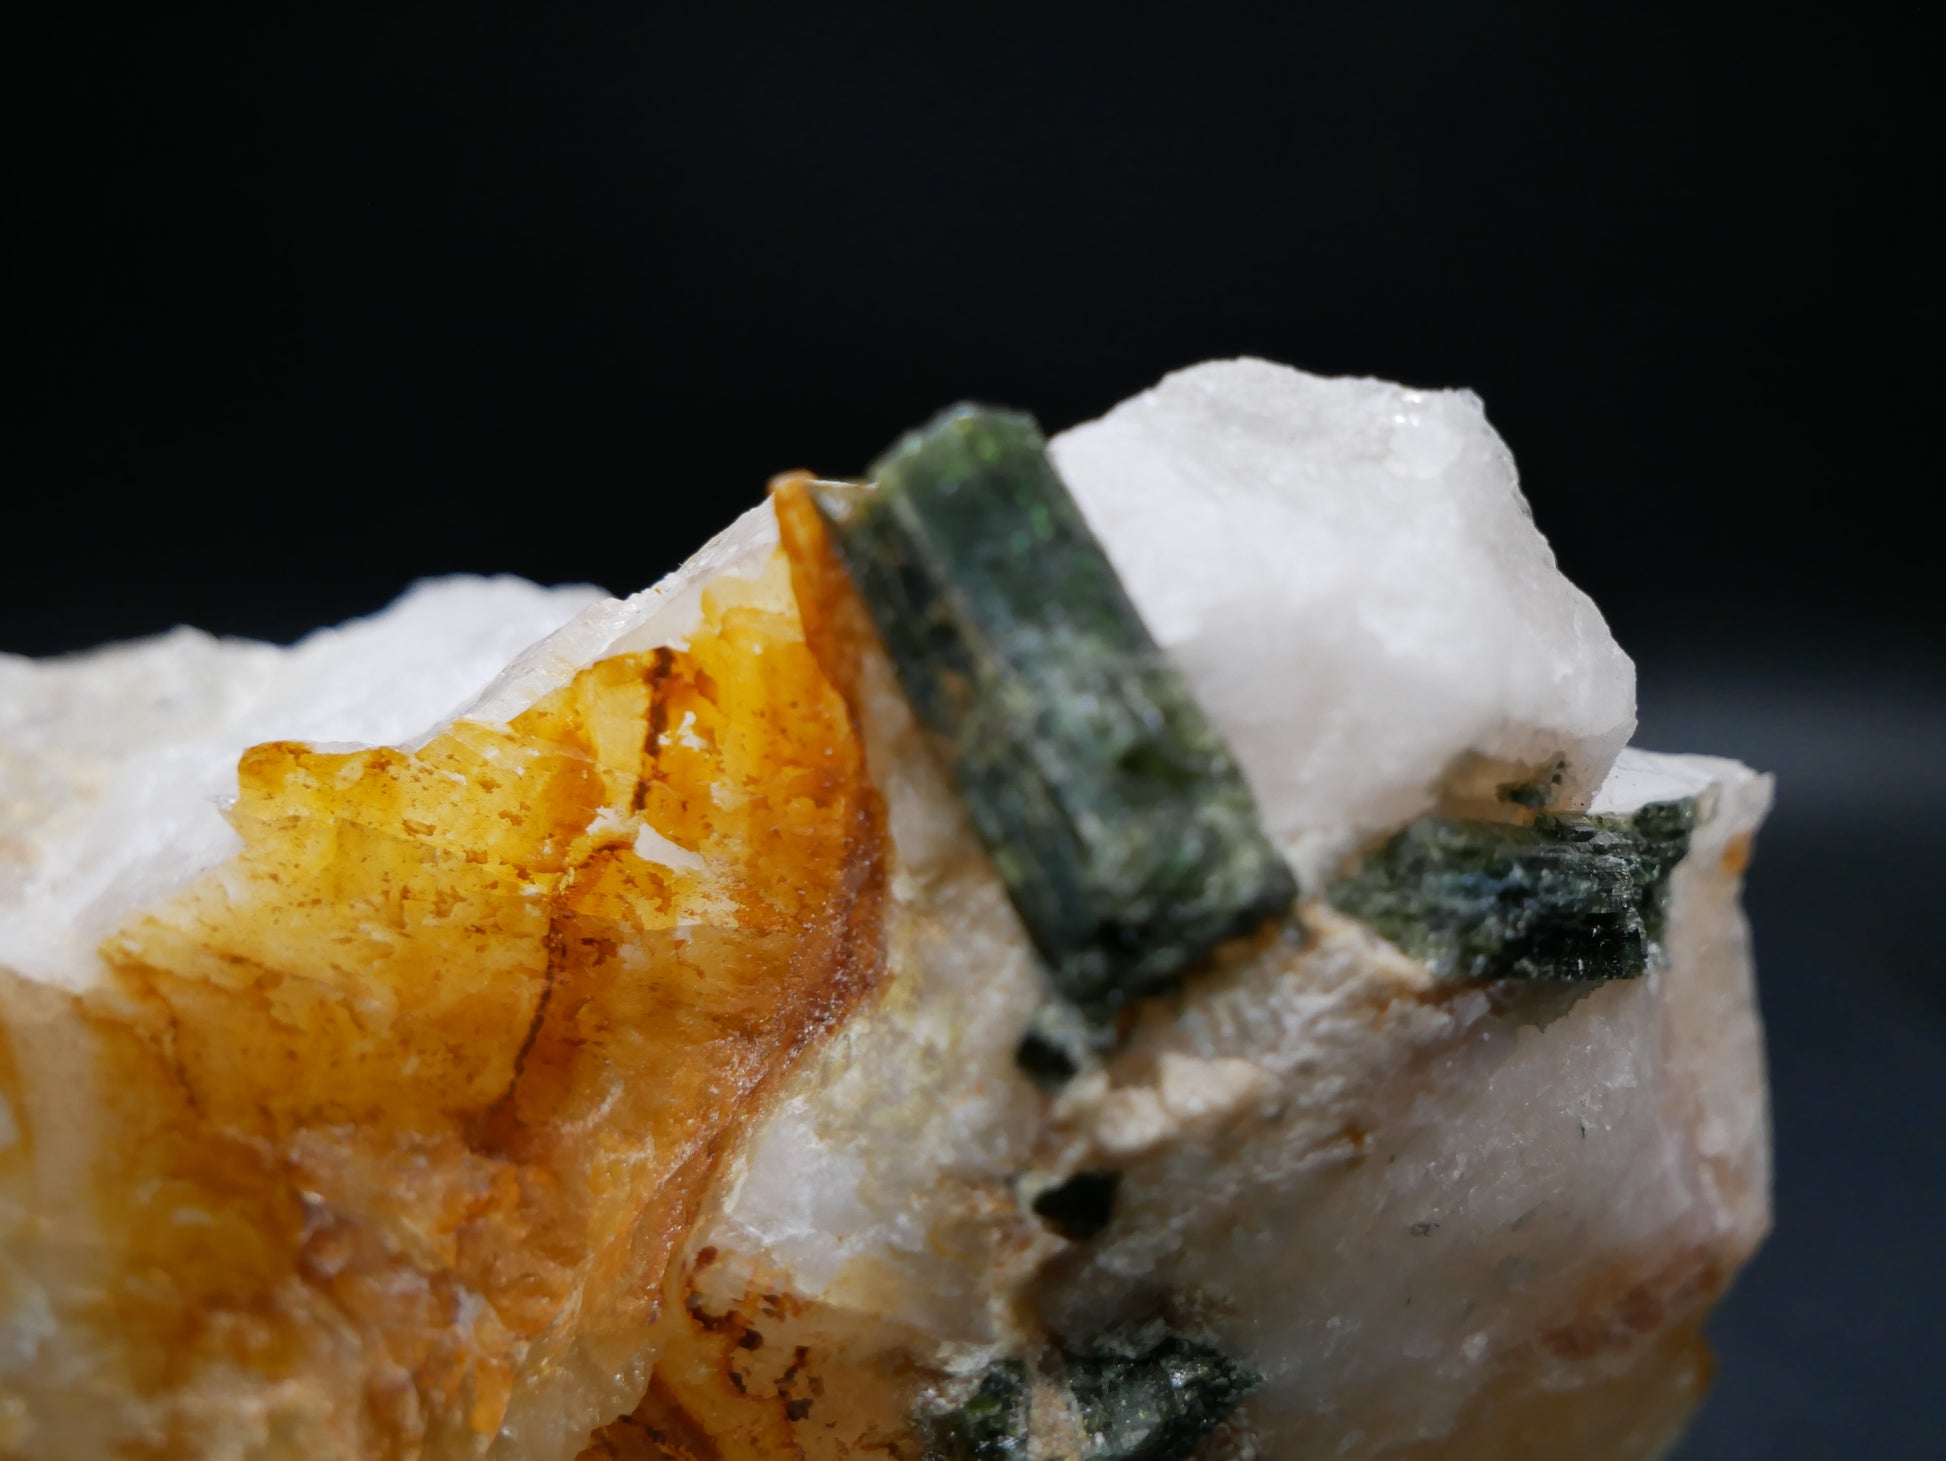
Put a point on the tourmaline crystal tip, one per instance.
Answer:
(1126, 836)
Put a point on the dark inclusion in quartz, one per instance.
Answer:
(1114, 813)
(1079, 1208)
(1565, 898)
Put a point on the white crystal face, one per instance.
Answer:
(1349, 576)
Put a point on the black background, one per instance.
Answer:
(307, 308)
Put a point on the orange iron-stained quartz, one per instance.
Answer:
(409, 1103)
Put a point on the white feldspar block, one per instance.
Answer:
(1349, 577)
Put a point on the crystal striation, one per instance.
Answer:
(1124, 832)
(1562, 898)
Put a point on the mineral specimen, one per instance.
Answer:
(627, 1066)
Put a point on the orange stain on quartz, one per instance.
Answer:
(433, 1075)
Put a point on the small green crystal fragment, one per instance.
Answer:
(1148, 1395)
(990, 1425)
(1117, 819)
(1565, 898)
(1138, 1394)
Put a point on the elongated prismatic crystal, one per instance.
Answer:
(1116, 816)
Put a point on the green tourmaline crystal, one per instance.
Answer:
(1151, 1396)
(1120, 824)
(1565, 898)
(991, 1425)
(1137, 1394)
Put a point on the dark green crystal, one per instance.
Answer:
(1114, 813)
(1565, 898)
(991, 1425)
(1151, 1396)
(1140, 1394)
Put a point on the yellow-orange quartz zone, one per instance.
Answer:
(755, 1373)
(430, 1078)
